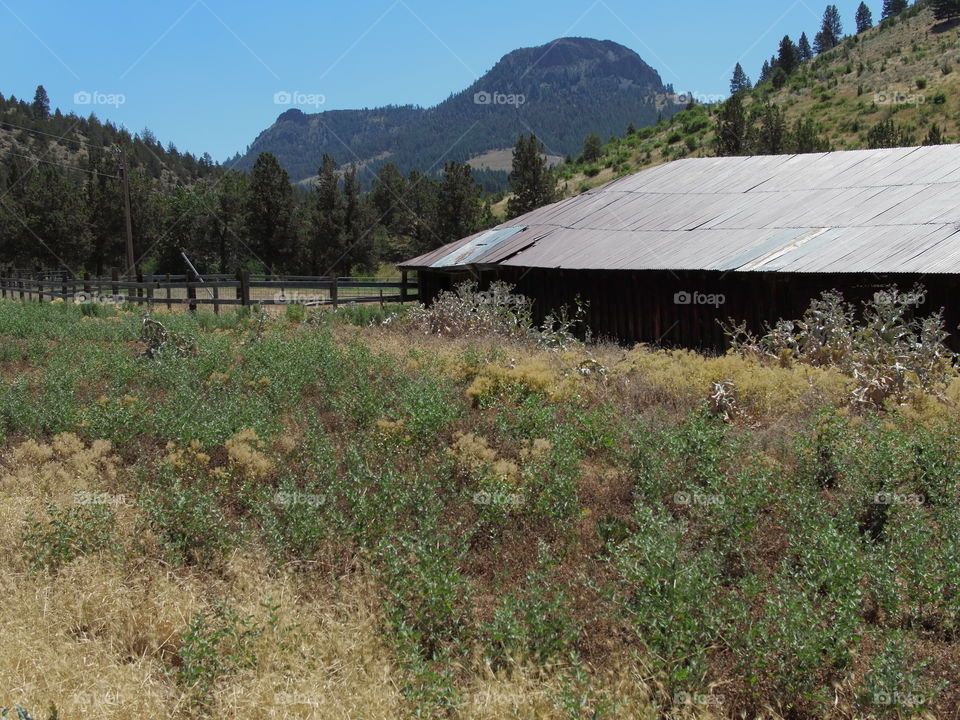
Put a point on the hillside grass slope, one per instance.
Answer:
(905, 69)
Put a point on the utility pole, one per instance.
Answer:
(131, 258)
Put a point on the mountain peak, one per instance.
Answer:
(562, 91)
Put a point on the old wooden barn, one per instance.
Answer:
(663, 254)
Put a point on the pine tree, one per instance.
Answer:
(804, 49)
(946, 9)
(820, 43)
(592, 148)
(326, 241)
(804, 138)
(41, 104)
(420, 220)
(534, 184)
(864, 18)
(387, 196)
(731, 128)
(831, 30)
(771, 137)
(458, 204)
(892, 8)
(764, 72)
(358, 252)
(739, 82)
(270, 211)
(788, 58)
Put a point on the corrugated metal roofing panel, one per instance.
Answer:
(890, 210)
(470, 251)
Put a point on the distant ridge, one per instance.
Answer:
(562, 91)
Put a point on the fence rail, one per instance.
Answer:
(216, 290)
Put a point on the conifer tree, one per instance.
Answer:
(459, 203)
(804, 48)
(739, 82)
(326, 219)
(864, 18)
(764, 72)
(789, 57)
(892, 8)
(831, 30)
(732, 128)
(592, 148)
(946, 9)
(270, 211)
(532, 181)
(41, 104)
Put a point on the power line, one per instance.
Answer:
(63, 165)
(57, 137)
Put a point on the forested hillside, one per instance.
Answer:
(61, 205)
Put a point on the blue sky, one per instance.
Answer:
(204, 73)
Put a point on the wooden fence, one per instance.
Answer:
(214, 290)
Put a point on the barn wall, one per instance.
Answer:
(644, 306)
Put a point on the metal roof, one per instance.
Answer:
(882, 211)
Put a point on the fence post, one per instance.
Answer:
(20, 283)
(192, 290)
(139, 282)
(403, 286)
(216, 299)
(169, 305)
(243, 291)
(333, 291)
(86, 285)
(150, 282)
(114, 288)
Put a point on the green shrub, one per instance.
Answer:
(669, 595)
(295, 313)
(535, 621)
(426, 596)
(189, 521)
(215, 644)
(67, 533)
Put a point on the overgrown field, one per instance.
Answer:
(310, 517)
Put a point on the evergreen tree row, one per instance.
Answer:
(791, 55)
